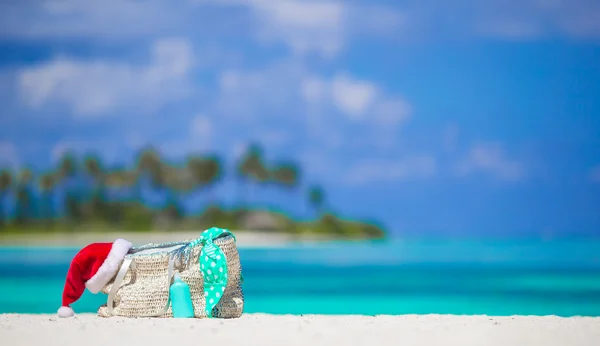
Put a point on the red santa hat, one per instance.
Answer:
(92, 268)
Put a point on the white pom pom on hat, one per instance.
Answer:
(65, 311)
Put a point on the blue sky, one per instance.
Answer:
(461, 118)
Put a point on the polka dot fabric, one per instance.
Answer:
(213, 265)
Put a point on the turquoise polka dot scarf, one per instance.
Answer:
(213, 265)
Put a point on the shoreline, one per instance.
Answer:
(267, 330)
(245, 239)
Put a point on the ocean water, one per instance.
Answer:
(415, 276)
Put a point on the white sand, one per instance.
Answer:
(266, 330)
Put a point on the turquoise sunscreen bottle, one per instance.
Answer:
(181, 299)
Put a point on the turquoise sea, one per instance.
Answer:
(414, 276)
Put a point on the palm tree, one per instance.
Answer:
(23, 207)
(162, 175)
(94, 169)
(67, 167)
(214, 170)
(117, 179)
(46, 183)
(241, 175)
(316, 198)
(285, 174)
(196, 168)
(175, 178)
(67, 171)
(149, 165)
(251, 166)
(204, 171)
(5, 185)
(178, 181)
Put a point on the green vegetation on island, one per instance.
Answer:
(80, 195)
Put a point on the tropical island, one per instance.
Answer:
(82, 195)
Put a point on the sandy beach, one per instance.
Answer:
(264, 330)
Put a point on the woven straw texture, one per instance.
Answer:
(145, 291)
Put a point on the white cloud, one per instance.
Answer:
(490, 158)
(272, 91)
(299, 106)
(316, 26)
(351, 96)
(198, 139)
(325, 27)
(323, 112)
(305, 25)
(391, 111)
(357, 99)
(361, 170)
(9, 158)
(377, 171)
(302, 14)
(92, 88)
(287, 92)
(108, 19)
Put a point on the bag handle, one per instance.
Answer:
(119, 279)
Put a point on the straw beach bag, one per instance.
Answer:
(210, 265)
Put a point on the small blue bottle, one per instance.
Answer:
(181, 299)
